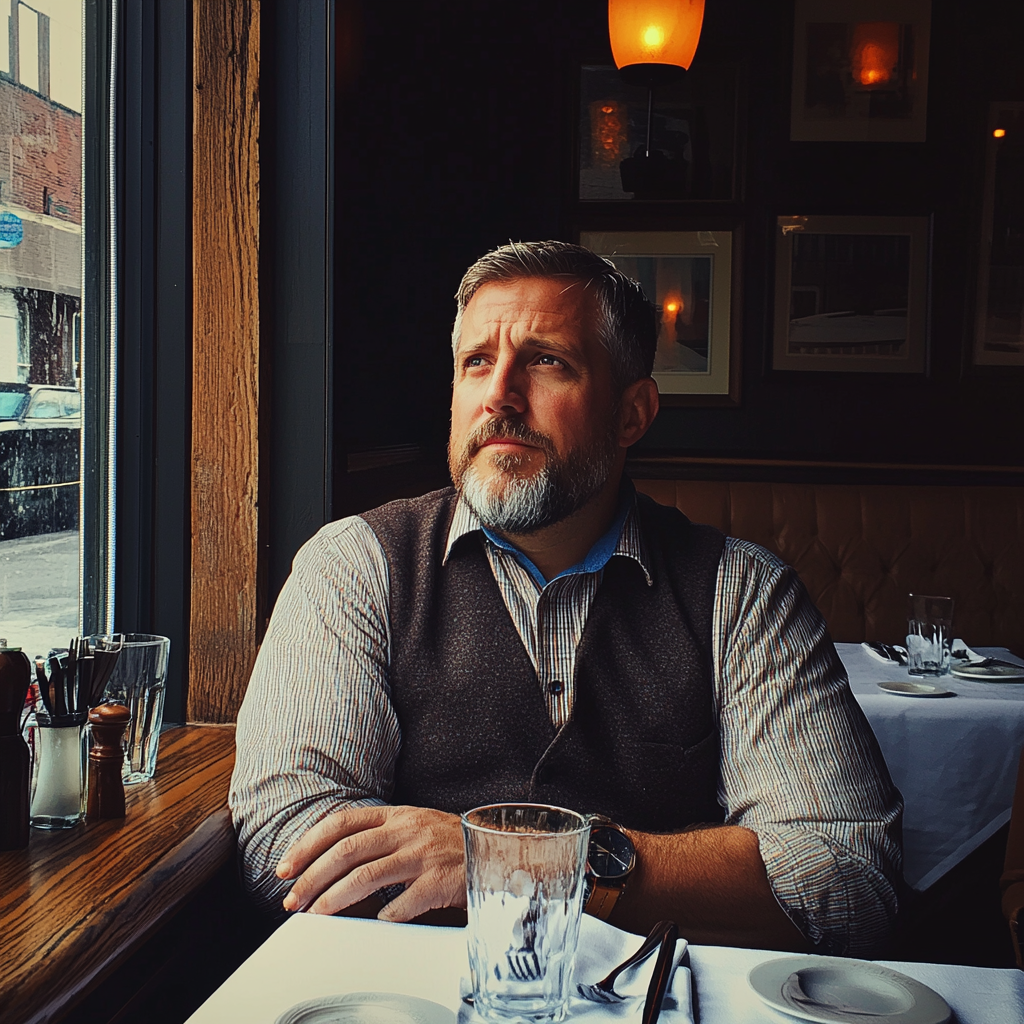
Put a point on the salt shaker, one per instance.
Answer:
(15, 679)
(106, 790)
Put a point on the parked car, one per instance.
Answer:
(13, 400)
(47, 405)
(40, 427)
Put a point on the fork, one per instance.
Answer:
(603, 991)
(523, 963)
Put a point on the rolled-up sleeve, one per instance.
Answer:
(800, 765)
(316, 731)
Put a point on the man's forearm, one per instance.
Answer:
(712, 883)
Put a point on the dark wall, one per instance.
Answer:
(455, 133)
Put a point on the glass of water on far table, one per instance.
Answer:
(524, 878)
(139, 681)
(928, 635)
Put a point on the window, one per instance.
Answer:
(41, 247)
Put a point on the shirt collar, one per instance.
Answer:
(623, 537)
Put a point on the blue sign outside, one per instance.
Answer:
(11, 230)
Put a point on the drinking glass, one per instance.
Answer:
(524, 881)
(138, 681)
(928, 635)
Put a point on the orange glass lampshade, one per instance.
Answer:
(875, 53)
(654, 31)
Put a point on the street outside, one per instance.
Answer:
(39, 591)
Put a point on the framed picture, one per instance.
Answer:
(693, 137)
(860, 70)
(691, 277)
(851, 294)
(999, 320)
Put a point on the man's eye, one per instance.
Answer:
(474, 361)
(549, 361)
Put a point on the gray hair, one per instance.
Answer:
(626, 320)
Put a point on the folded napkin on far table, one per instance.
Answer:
(601, 948)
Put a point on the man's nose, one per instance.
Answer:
(505, 391)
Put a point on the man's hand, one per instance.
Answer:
(349, 855)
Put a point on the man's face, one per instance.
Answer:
(534, 416)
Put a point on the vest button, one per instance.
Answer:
(556, 686)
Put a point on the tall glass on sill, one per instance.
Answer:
(138, 681)
(524, 879)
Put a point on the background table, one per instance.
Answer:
(953, 758)
(311, 956)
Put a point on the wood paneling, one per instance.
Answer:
(226, 365)
(75, 903)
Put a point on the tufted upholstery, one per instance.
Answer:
(860, 549)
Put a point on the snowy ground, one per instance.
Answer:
(39, 591)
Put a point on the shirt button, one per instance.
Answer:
(556, 686)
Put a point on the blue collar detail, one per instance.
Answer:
(596, 558)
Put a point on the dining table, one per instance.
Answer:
(954, 757)
(311, 957)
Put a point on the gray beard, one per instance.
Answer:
(514, 504)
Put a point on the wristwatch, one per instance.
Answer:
(611, 858)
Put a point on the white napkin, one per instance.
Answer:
(958, 646)
(600, 949)
(878, 656)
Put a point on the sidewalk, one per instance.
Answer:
(39, 591)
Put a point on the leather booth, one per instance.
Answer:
(860, 549)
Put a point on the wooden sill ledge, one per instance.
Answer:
(75, 904)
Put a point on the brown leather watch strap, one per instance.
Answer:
(602, 901)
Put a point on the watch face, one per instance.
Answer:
(611, 853)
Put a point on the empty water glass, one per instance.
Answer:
(138, 681)
(524, 881)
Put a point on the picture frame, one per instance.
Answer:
(695, 137)
(860, 71)
(851, 294)
(999, 302)
(692, 277)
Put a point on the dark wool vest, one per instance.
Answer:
(641, 746)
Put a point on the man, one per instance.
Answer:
(540, 632)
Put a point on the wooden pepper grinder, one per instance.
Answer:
(15, 680)
(106, 790)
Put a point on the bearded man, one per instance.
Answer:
(540, 632)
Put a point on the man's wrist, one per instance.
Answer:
(611, 860)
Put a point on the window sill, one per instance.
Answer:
(75, 904)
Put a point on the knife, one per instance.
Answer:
(694, 1002)
(662, 975)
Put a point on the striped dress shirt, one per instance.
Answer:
(799, 765)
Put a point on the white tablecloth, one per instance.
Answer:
(312, 956)
(953, 758)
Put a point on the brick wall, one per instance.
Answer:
(40, 149)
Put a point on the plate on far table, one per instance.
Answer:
(367, 1008)
(905, 689)
(989, 673)
(834, 990)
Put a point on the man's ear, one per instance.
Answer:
(637, 408)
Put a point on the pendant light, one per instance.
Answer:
(653, 41)
(653, 44)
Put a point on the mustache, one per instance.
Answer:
(502, 428)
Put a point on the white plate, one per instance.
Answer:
(367, 1008)
(989, 673)
(915, 689)
(875, 994)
